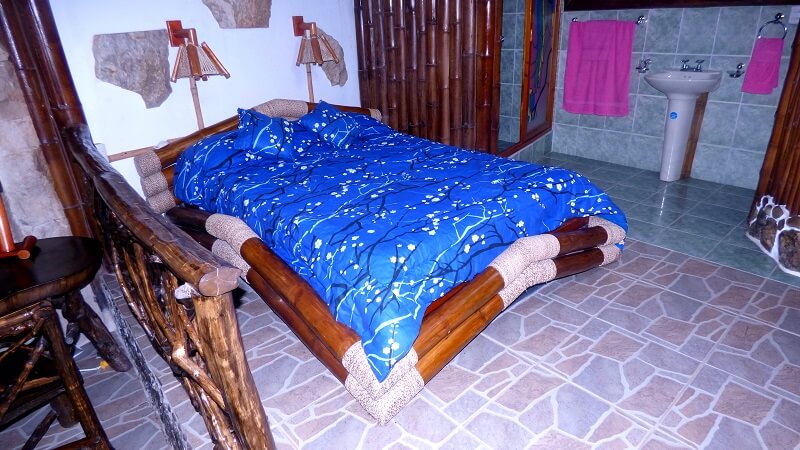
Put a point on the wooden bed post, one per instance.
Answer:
(218, 329)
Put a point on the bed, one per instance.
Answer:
(588, 232)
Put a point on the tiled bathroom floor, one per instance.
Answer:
(699, 218)
(660, 350)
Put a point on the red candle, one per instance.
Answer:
(6, 240)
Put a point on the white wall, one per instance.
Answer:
(261, 62)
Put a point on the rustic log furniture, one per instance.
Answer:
(36, 365)
(58, 269)
(449, 323)
(193, 328)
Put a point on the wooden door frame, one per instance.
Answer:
(783, 151)
(525, 140)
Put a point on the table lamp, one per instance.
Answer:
(195, 62)
(314, 49)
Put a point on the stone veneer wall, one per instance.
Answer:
(736, 126)
(777, 232)
(31, 201)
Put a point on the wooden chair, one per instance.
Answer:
(37, 368)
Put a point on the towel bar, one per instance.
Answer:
(778, 21)
(639, 20)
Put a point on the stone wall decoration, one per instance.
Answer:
(336, 72)
(777, 232)
(137, 61)
(241, 13)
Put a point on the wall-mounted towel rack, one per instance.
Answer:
(639, 20)
(778, 21)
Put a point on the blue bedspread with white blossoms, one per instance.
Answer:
(379, 223)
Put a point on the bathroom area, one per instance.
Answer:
(704, 215)
(736, 126)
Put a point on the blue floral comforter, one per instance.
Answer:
(379, 223)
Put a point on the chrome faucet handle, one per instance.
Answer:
(699, 66)
(739, 71)
(644, 65)
(685, 65)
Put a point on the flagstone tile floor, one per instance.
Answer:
(667, 348)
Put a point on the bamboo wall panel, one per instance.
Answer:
(432, 67)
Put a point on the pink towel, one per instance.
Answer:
(598, 72)
(761, 76)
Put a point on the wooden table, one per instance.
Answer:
(57, 269)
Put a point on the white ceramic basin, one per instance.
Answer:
(682, 89)
(687, 83)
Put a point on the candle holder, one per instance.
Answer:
(8, 249)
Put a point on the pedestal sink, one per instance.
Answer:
(682, 89)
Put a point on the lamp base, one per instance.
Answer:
(310, 84)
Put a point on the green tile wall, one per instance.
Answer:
(736, 126)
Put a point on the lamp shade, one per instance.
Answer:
(314, 48)
(198, 62)
(195, 62)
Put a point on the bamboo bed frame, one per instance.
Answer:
(449, 323)
(180, 292)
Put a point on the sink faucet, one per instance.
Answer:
(685, 67)
(644, 65)
(699, 67)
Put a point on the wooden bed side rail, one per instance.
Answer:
(299, 326)
(181, 295)
(441, 349)
(446, 315)
(300, 295)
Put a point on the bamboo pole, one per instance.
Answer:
(290, 286)
(468, 63)
(32, 85)
(65, 104)
(382, 73)
(443, 57)
(392, 65)
(483, 76)
(402, 72)
(455, 98)
(298, 324)
(363, 67)
(451, 342)
(422, 73)
(412, 41)
(694, 134)
(493, 35)
(371, 53)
